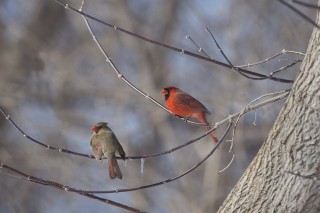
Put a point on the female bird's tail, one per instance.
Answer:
(203, 119)
(114, 170)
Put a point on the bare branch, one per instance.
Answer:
(199, 48)
(226, 167)
(229, 62)
(284, 51)
(89, 193)
(299, 13)
(67, 6)
(7, 116)
(59, 186)
(249, 108)
(314, 6)
(235, 68)
(236, 124)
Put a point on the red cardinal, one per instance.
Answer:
(184, 105)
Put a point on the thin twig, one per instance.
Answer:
(295, 61)
(284, 51)
(227, 59)
(284, 68)
(299, 13)
(199, 48)
(314, 6)
(7, 117)
(229, 164)
(236, 69)
(67, 6)
(236, 124)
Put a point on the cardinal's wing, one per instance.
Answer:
(118, 145)
(121, 151)
(187, 100)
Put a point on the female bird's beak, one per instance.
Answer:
(94, 129)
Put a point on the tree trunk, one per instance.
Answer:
(293, 145)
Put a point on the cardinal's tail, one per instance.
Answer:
(114, 170)
(203, 119)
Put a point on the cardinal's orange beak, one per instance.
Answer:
(163, 92)
(94, 129)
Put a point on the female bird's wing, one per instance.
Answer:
(96, 146)
(185, 99)
(117, 144)
(121, 151)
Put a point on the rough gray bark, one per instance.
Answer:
(293, 145)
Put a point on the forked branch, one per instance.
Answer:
(67, 6)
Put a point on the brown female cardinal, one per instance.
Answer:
(184, 105)
(103, 142)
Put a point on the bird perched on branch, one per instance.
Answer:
(103, 142)
(184, 105)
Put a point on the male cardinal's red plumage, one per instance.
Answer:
(184, 105)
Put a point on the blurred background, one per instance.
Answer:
(55, 84)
